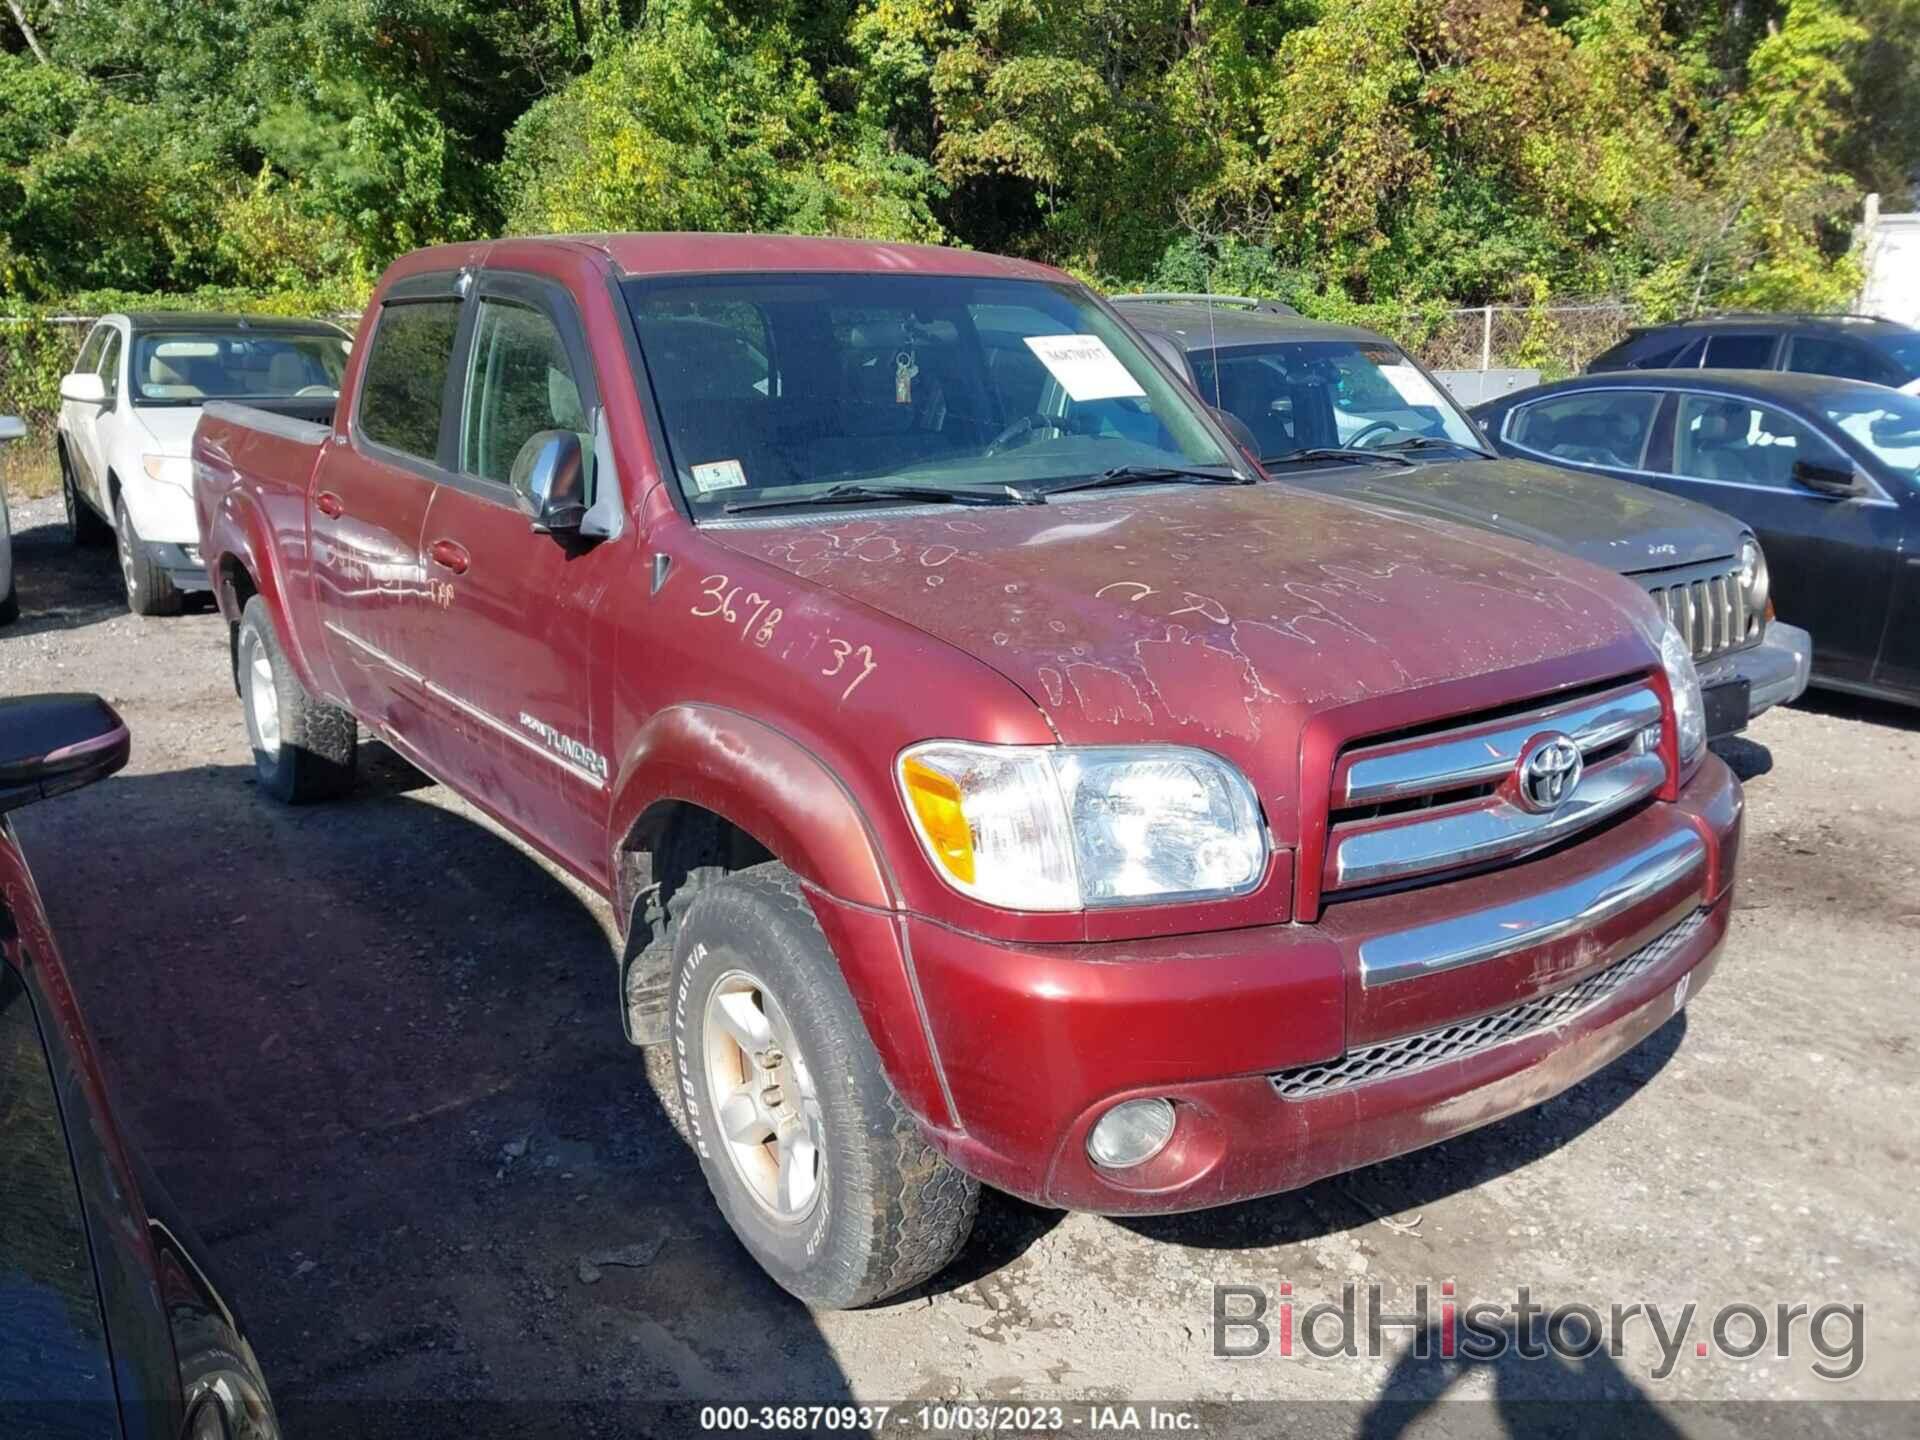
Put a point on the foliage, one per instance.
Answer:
(1371, 159)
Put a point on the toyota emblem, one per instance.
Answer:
(1548, 772)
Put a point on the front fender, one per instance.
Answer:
(761, 780)
(788, 799)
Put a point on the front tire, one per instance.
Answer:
(814, 1159)
(150, 589)
(303, 748)
(10, 603)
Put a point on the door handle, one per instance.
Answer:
(328, 504)
(449, 555)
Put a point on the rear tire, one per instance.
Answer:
(303, 748)
(149, 588)
(84, 525)
(814, 1159)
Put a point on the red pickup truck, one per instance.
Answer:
(997, 776)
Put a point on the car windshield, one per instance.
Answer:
(776, 388)
(1886, 422)
(1309, 394)
(1904, 351)
(190, 367)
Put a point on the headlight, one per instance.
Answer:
(1064, 828)
(1689, 710)
(1754, 580)
(169, 469)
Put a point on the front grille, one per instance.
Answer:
(1410, 1053)
(1708, 608)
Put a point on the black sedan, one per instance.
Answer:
(1826, 472)
(109, 1324)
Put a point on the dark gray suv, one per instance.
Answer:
(1344, 410)
(1850, 347)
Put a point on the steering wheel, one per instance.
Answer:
(1025, 425)
(1365, 430)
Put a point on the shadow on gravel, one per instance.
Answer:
(372, 1049)
(61, 587)
(1398, 1189)
(1842, 706)
(1534, 1379)
(1748, 759)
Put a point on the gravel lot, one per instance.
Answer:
(373, 1050)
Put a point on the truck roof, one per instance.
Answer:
(691, 253)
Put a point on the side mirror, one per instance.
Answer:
(50, 744)
(1827, 479)
(12, 428)
(85, 387)
(549, 480)
(1237, 428)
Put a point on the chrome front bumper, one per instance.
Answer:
(1777, 669)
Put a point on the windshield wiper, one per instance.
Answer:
(1142, 475)
(1334, 452)
(1434, 442)
(863, 490)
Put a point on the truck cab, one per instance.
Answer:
(996, 777)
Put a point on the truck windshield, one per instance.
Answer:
(190, 367)
(1312, 394)
(776, 387)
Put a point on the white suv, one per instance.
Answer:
(127, 414)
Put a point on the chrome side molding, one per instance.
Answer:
(1483, 753)
(1489, 934)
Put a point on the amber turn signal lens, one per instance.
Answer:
(936, 803)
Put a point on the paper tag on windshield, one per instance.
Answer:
(1084, 366)
(1414, 388)
(719, 475)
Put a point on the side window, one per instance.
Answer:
(520, 382)
(1738, 442)
(110, 365)
(1740, 352)
(1813, 355)
(89, 359)
(404, 385)
(1588, 427)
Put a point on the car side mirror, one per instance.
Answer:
(1238, 429)
(85, 387)
(50, 744)
(1827, 479)
(549, 480)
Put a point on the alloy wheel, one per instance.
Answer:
(764, 1098)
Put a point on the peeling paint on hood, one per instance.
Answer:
(1205, 615)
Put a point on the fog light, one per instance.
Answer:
(1131, 1133)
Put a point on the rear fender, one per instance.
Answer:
(241, 558)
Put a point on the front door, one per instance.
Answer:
(1831, 559)
(514, 636)
(368, 505)
(85, 421)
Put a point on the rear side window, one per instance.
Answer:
(1591, 427)
(404, 387)
(521, 383)
(1812, 355)
(1740, 352)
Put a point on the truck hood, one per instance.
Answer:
(1627, 528)
(1205, 615)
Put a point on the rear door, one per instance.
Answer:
(514, 665)
(370, 500)
(1832, 560)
